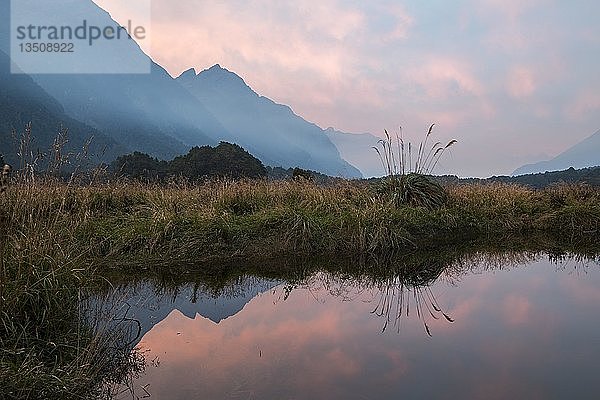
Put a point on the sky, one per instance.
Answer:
(514, 81)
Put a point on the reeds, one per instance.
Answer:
(406, 183)
(396, 154)
(48, 347)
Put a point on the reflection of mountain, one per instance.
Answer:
(149, 305)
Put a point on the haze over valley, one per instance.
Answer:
(165, 113)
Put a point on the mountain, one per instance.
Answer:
(357, 149)
(266, 129)
(23, 101)
(148, 112)
(582, 155)
(163, 117)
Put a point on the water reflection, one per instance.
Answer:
(147, 303)
(524, 327)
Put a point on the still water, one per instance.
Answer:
(524, 329)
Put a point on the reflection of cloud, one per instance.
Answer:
(583, 292)
(517, 310)
(512, 329)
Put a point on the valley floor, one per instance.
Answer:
(59, 240)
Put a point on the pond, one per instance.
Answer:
(493, 327)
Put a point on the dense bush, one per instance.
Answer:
(225, 160)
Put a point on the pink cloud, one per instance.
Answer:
(585, 103)
(509, 9)
(443, 77)
(521, 82)
(404, 21)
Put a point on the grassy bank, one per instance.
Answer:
(58, 240)
(221, 220)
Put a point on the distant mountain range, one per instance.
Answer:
(357, 149)
(582, 155)
(154, 113)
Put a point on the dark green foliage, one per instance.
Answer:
(226, 160)
(140, 166)
(590, 176)
(413, 190)
(282, 174)
(300, 173)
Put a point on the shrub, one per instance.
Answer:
(406, 182)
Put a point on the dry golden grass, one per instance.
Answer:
(221, 218)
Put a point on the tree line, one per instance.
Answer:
(225, 160)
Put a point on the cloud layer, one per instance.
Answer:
(513, 81)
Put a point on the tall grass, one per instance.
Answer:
(222, 219)
(49, 346)
(406, 180)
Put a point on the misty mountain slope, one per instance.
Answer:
(266, 129)
(23, 101)
(145, 112)
(582, 155)
(357, 149)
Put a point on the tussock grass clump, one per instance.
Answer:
(406, 181)
(413, 190)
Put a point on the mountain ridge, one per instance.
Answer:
(23, 101)
(353, 146)
(269, 130)
(159, 115)
(582, 155)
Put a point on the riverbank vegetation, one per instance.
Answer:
(61, 239)
(219, 220)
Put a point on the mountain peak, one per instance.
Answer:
(218, 70)
(188, 75)
(218, 77)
